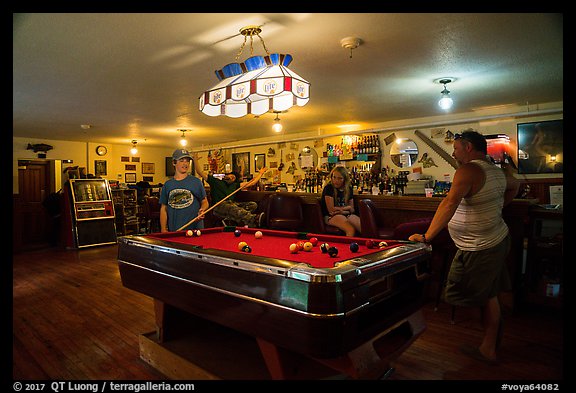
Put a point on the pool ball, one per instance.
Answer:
(189, 233)
(308, 246)
(241, 245)
(197, 232)
(293, 248)
(246, 248)
(314, 241)
(300, 245)
(354, 247)
(333, 252)
(258, 234)
(237, 233)
(382, 244)
(324, 247)
(369, 243)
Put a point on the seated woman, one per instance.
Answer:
(337, 202)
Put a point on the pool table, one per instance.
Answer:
(327, 307)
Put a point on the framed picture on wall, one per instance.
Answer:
(129, 167)
(100, 168)
(259, 161)
(170, 170)
(148, 167)
(241, 164)
(540, 147)
(130, 177)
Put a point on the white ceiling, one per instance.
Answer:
(139, 76)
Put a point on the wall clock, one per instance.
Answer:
(101, 150)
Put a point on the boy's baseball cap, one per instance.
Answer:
(180, 153)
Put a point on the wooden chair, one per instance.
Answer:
(373, 221)
(284, 212)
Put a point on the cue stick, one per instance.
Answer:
(251, 182)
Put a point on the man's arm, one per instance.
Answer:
(163, 219)
(198, 168)
(512, 185)
(255, 179)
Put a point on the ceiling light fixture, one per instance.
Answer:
(350, 43)
(277, 125)
(255, 86)
(134, 150)
(183, 141)
(445, 101)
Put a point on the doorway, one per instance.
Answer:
(32, 224)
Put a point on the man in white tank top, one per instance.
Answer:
(472, 210)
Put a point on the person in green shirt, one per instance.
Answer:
(242, 213)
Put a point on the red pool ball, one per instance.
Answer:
(314, 241)
(369, 243)
(293, 248)
(300, 245)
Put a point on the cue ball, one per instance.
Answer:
(354, 247)
(308, 246)
(382, 244)
(293, 248)
(369, 244)
(258, 234)
(189, 233)
(237, 233)
(333, 251)
(241, 245)
(314, 241)
(197, 232)
(324, 247)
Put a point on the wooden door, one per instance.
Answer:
(33, 220)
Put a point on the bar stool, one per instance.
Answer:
(373, 221)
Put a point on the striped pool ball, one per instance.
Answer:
(197, 233)
(189, 233)
(247, 248)
(293, 248)
(333, 252)
(324, 247)
(241, 245)
(382, 244)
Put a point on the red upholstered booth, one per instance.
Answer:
(373, 221)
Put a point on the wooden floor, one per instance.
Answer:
(73, 320)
